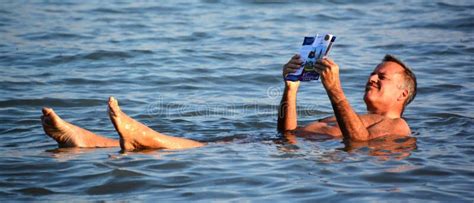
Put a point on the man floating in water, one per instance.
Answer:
(390, 87)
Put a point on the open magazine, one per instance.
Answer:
(313, 48)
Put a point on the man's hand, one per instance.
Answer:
(287, 116)
(329, 72)
(293, 64)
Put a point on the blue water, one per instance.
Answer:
(211, 71)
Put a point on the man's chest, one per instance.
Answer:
(329, 126)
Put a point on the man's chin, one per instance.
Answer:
(368, 98)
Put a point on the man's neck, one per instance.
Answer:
(388, 114)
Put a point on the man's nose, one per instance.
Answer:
(373, 78)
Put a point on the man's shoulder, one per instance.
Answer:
(395, 126)
(402, 125)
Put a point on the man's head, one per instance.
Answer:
(390, 88)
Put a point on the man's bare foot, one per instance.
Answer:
(69, 135)
(135, 135)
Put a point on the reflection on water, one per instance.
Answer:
(385, 148)
(66, 154)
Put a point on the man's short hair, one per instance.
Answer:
(409, 78)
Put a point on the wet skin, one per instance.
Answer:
(383, 96)
(133, 134)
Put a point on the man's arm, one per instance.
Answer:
(351, 125)
(287, 116)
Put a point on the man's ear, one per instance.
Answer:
(403, 96)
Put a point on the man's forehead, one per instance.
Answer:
(389, 67)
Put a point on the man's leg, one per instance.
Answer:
(135, 135)
(69, 135)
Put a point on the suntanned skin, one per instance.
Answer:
(133, 134)
(384, 98)
(69, 135)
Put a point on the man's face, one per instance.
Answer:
(382, 90)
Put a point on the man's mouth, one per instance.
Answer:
(371, 85)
